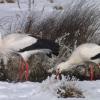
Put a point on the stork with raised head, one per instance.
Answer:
(25, 45)
(88, 52)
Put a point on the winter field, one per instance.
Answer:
(47, 90)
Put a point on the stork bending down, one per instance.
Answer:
(25, 45)
(88, 52)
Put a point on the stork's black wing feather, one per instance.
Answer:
(43, 44)
(96, 57)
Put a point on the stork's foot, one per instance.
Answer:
(91, 72)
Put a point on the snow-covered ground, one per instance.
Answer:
(46, 90)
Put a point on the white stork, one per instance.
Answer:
(88, 52)
(25, 45)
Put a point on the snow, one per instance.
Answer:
(46, 90)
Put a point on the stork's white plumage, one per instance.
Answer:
(88, 52)
(25, 45)
(12, 43)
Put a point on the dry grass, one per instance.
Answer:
(73, 27)
(69, 28)
(51, 1)
(79, 21)
(37, 69)
(11, 1)
(8, 1)
(70, 91)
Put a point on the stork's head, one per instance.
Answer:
(64, 66)
(60, 67)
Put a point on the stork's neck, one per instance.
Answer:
(69, 63)
(66, 65)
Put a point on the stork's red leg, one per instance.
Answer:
(21, 69)
(91, 72)
(27, 71)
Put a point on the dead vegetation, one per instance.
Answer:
(38, 69)
(7, 1)
(69, 27)
(70, 91)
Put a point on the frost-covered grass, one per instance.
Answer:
(69, 22)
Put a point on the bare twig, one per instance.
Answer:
(18, 4)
